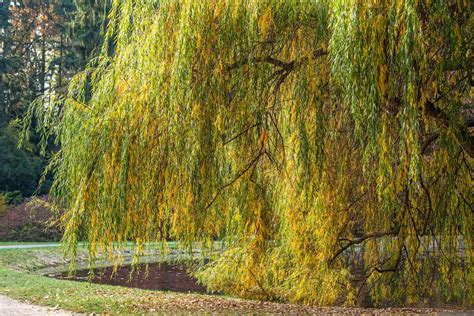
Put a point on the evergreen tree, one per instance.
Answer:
(38, 59)
(4, 28)
(86, 28)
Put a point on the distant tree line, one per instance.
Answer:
(43, 43)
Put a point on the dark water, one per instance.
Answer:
(163, 277)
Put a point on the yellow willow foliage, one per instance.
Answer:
(326, 144)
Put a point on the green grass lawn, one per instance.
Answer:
(21, 278)
(70, 295)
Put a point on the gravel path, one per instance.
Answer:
(12, 307)
(29, 246)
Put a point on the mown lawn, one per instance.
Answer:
(69, 295)
(21, 278)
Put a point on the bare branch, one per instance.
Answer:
(352, 242)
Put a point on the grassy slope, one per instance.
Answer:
(18, 279)
(70, 295)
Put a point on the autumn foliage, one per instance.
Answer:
(327, 144)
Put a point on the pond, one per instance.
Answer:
(160, 276)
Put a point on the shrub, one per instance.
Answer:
(28, 221)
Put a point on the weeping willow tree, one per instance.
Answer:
(327, 144)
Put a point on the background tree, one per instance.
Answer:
(24, 77)
(327, 143)
(39, 57)
(4, 26)
(86, 28)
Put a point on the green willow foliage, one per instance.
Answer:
(326, 143)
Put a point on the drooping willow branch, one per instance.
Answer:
(281, 127)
